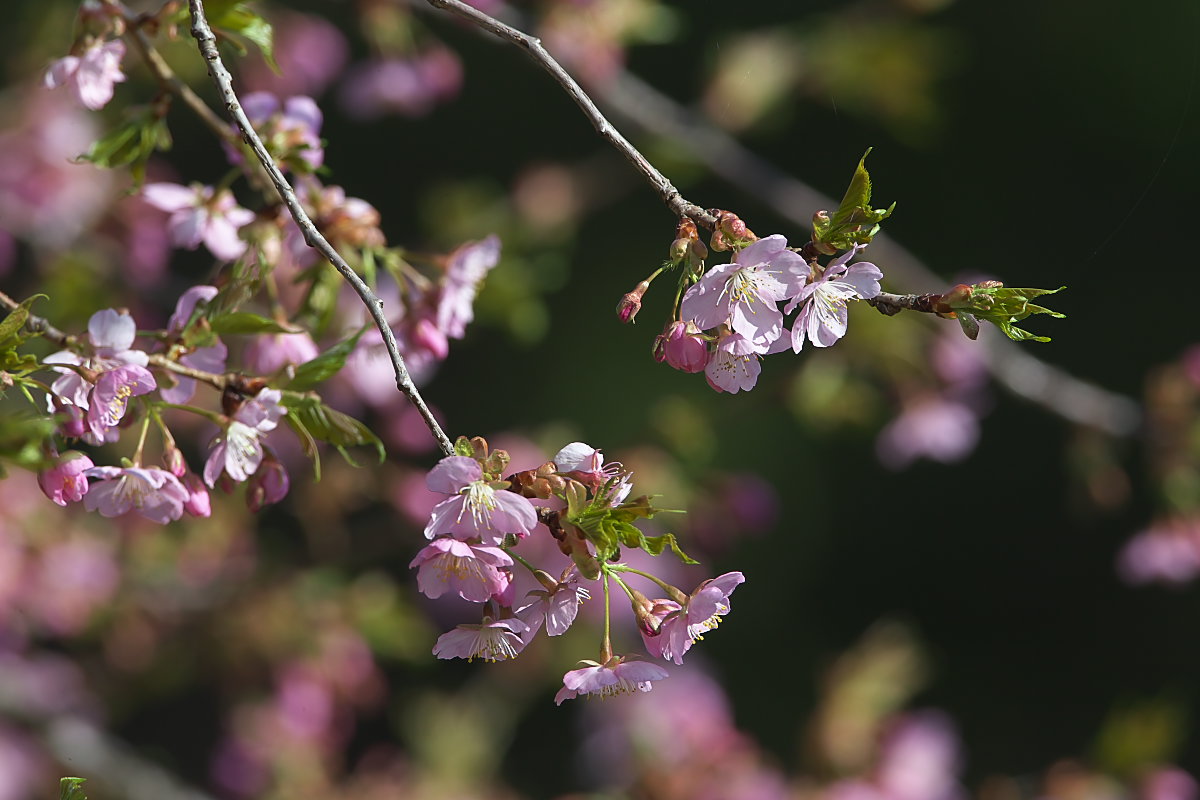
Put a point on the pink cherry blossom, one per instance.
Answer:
(935, 428)
(201, 214)
(682, 626)
(237, 451)
(557, 608)
(465, 269)
(65, 482)
(681, 346)
(91, 74)
(475, 572)
(154, 493)
(268, 485)
(745, 292)
(491, 640)
(111, 335)
(198, 504)
(475, 508)
(734, 366)
(110, 398)
(587, 464)
(617, 677)
(208, 359)
(823, 319)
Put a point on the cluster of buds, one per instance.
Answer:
(477, 529)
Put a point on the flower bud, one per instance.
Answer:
(631, 303)
(268, 485)
(174, 462)
(683, 348)
(198, 504)
(680, 249)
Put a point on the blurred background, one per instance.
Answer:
(954, 589)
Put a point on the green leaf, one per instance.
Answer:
(324, 366)
(463, 447)
(654, 546)
(307, 442)
(131, 144)
(330, 425)
(247, 322)
(608, 528)
(1002, 306)
(249, 24)
(71, 789)
(854, 222)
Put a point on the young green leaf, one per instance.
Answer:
(247, 322)
(71, 789)
(324, 366)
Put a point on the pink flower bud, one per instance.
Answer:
(631, 303)
(174, 462)
(198, 503)
(683, 348)
(64, 482)
(268, 485)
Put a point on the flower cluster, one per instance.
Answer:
(99, 380)
(735, 313)
(476, 530)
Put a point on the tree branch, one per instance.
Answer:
(207, 44)
(534, 49)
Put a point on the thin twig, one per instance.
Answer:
(224, 82)
(534, 49)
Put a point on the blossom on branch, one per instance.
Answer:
(491, 640)
(682, 626)
(744, 293)
(475, 508)
(154, 493)
(65, 482)
(823, 319)
(110, 398)
(201, 214)
(90, 75)
(238, 450)
(475, 572)
(617, 677)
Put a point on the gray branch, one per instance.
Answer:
(534, 49)
(207, 43)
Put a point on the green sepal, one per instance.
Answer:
(131, 144)
(463, 447)
(324, 366)
(1002, 306)
(247, 23)
(71, 789)
(247, 322)
(854, 222)
(326, 424)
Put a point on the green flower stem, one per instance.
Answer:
(606, 651)
(666, 587)
(211, 416)
(137, 454)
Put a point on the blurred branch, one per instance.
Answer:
(207, 44)
(655, 113)
(534, 49)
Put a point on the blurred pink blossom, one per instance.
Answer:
(201, 214)
(935, 428)
(90, 75)
(309, 50)
(409, 87)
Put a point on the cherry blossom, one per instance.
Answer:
(110, 398)
(201, 214)
(557, 608)
(291, 128)
(475, 508)
(684, 625)
(823, 319)
(616, 677)
(734, 365)
(491, 640)
(681, 346)
(744, 293)
(238, 451)
(111, 334)
(154, 493)
(475, 572)
(65, 482)
(90, 75)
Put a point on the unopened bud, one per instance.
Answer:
(680, 249)
(631, 303)
(174, 461)
(717, 242)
